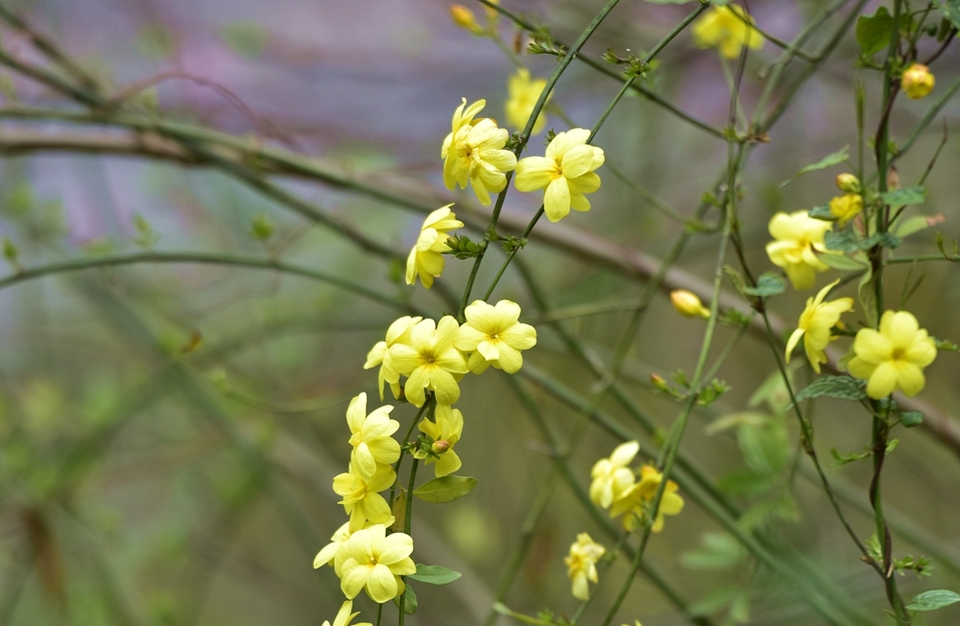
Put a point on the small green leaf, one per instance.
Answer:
(409, 601)
(950, 10)
(911, 418)
(844, 262)
(873, 31)
(822, 212)
(830, 160)
(841, 240)
(719, 551)
(843, 387)
(434, 575)
(768, 284)
(445, 488)
(852, 457)
(765, 448)
(933, 600)
(904, 197)
(916, 223)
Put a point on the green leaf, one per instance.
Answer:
(248, 39)
(745, 483)
(768, 284)
(714, 601)
(445, 488)
(409, 601)
(734, 420)
(950, 10)
(843, 387)
(822, 212)
(720, 551)
(830, 160)
(904, 197)
(846, 241)
(915, 224)
(845, 262)
(434, 575)
(765, 448)
(852, 457)
(933, 600)
(911, 418)
(873, 31)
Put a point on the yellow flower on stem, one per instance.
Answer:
(398, 332)
(611, 478)
(495, 336)
(727, 28)
(894, 357)
(522, 95)
(797, 238)
(375, 562)
(431, 362)
(426, 259)
(846, 207)
(566, 173)
(464, 18)
(917, 81)
(445, 432)
(371, 437)
(688, 304)
(474, 152)
(816, 321)
(345, 615)
(582, 564)
(642, 494)
(361, 498)
(333, 551)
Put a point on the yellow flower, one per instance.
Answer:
(846, 207)
(641, 494)
(361, 498)
(375, 561)
(796, 237)
(344, 616)
(724, 28)
(334, 551)
(816, 321)
(582, 564)
(566, 172)
(523, 93)
(371, 437)
(464, 18)
(611, 478)
(688, 304)
(474, 152)
(847, 183)
(445, 432)
(894, 357)
(917, 81)
(430, 361)
(425, 259)
(495, 336)
(398, 332)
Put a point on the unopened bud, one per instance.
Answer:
(846, 207)
(917, 81)
(658, 382)
(440, 446)
(464, 18)
(848, 183)
(688, 304)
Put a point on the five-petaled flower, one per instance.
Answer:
(398, 332)
(361, 498)
(370, 436)
(816, 321)
(522, 95)
(582, 564)
(635, 501)
(375, 561)
(430, 361)
(727, 28)
(566, 172)
(473, 152)
(445, 431)
(611, 478)
(426, 259)
(893, 357)
(797, 239)
(495, 336)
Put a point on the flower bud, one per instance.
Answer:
(846, 207)
(688, 304)
(917, 81)
(464, 18)
(440, 446)
(848, 183)
(659, 383)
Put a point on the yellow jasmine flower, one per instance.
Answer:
(917, 81)
(846, 207)
(464, 18)
(894, 357)
(398, 332)
(495, 336)
(430, 361)
(726, 28)
(688, 304)
(361, 498)
(333, 551)
(566, 172)
(371, 437)
(523, 93)
(642, 494)
(474, 152)
(445, 432)
(582, 564)
(425, 259)
(816, 321)
(796, 237)
(375, 562)
(344, 616)
(611, 478)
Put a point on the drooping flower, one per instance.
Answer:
(445, 431)
(566, 173)
(796, 238)
(361, 498)
(728, 29)
(495, 336)
(816, 321)
(371, 437)
(345, 615)
(894, 357)
(430, 361)
(582, 564)
(522, 95)
(917, 81)
(375, 561)
(637, 500)
(474, 152)
(398, 332)
(426, 259)
(688, 304)
(846, 207)
(611, 478)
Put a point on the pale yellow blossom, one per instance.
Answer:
(345, 616)
(726, 28)
(361, 498)
(917, 81)
(495, 336)
(522, 95)
(566, 173)
(846, 207)
(445, 431)
(582, 564)
(816, 321)
(634, 503)
(398, 332)
(375, 561)
(473, 152)
(426, 259)
(894, 357)
(611, 478)
(431, 362)
(797, 239)
(370, 436)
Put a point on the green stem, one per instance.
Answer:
(408, 516)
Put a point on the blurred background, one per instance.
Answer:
(169, 432)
